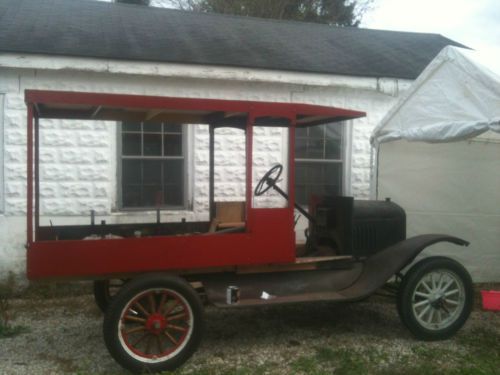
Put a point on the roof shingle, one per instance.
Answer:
(88, 28)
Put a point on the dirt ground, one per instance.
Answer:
(64, 336)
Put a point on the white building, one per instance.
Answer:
(89, 46)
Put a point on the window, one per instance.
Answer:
(318, 161)
(152, 165)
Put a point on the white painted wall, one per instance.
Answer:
(73, 183)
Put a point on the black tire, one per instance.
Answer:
(105, 290)
(438, 312)
(129, 332)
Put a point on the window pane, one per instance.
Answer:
(315, 149)
(152, 196)
(173, 195)
(332, 149)
(131, 144)
(301, 148)
(315, 173)
(333, 131)
(172, 145)
(131, 195)
(152, 127)
(172, 171)
(173, 179)
(301, 194)
(152, 144)
(300, 132)
(173, 128)
(317, 179)
(300, 172)
(322, 142)
(333, 141)
(317, 131)
(152, 172)
(129, 126)
(333, 173)
(151, 178)
(131, 171)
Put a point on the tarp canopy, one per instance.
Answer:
(453, 99)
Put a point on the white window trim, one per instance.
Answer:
(347, 157)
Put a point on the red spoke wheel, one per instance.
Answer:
(153, 324)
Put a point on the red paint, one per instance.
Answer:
(288, 110)
(155, 326)
(271, 240)
(269, 236)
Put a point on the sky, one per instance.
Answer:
(474, 23)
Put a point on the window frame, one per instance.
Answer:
(186, 157)
(344, 160)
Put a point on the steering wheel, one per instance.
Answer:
(270, 178)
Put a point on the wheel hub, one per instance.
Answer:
(156, 324)
(436, 300)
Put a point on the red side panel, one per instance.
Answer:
(271, 240)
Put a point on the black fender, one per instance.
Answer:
(380, 267)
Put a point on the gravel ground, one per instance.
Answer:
(64, 337)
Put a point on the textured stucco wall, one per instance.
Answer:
(74, 182)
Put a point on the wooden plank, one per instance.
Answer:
(239, 224)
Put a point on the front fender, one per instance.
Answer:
(381, 266)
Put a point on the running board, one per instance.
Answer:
(300, 264)
(280, 287)
(332, 280)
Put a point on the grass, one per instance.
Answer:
(476, 353)
(8, 330)
(7, 289)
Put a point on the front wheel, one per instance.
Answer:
(435, 298)
(153, 324)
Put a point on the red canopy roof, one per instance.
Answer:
(118, 107)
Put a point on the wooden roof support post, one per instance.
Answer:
(211, 171)
(29, 171)
(249, 168)
(37, 174)
(291, 163)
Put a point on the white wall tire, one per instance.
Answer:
(435, 298)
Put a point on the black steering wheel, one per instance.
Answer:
(270, 178)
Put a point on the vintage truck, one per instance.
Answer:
(153, 279)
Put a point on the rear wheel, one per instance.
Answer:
(105, 290)
(435, 298)
(153, 324)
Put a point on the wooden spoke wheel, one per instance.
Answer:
(153, 324)
(435, 298)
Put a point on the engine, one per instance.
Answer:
(360, 228)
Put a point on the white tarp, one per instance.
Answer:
(453, 99)
(451, 187)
